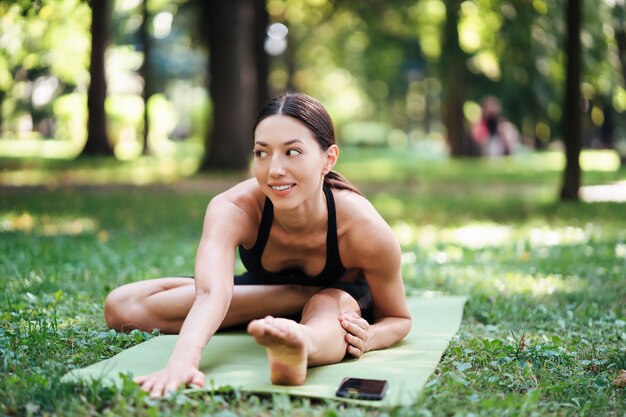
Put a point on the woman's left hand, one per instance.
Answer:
(358, 333)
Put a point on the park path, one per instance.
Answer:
(615, 192)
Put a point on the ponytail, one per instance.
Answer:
(337, 181)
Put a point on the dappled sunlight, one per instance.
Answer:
(489, 280)
(473, 236)
(536, 285)
(49, 225)
(483, 235)
(546, 236)
(599, 160)
(477, 236)
(39, 148)
(604, 193)
(141, 171)
(503, 260)
(590, 160)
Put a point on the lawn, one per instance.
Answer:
(544, 331)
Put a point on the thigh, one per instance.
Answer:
(168, 301)
(251, 302)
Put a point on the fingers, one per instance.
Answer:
(170, 387)
(151, 384)
(198, 379)
(163, 383)
(357, 335)
(354, 318)
(354, 351)
(354, 329)
(354, 324)
(157, 390)
(356, 346)
(140, 379)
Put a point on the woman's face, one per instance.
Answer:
(289, 164)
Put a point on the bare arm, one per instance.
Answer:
(379, 257)
(392, 318)
(224, 227)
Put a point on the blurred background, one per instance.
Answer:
(182, 80)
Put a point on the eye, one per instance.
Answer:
(260, 154)
(293, 152)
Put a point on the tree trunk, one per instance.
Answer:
(290, 60)
(97, 137)
(261, 20)
(454, 74)
(2, 93)
(146, 72)
(620, 40)
(233, 83)
(572, 136)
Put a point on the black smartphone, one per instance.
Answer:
(362, 389)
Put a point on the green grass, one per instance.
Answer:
(544, 331)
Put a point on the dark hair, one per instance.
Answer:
(313, 115)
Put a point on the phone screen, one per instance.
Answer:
(363, 389)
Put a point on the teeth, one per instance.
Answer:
(281, 187)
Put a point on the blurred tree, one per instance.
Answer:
(156, 62)
(453, 70)
(619, 19)
(384, 53)
(395, 63)
(146, 71)
(233, 82)
(97, 136)
(44, 56)
(620, 37)
(261, 22)
(572, 103)
(521, 48)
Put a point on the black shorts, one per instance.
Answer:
(357, 289)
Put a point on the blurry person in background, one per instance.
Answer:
(493, 135)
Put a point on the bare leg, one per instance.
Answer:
(317, 340)
(165, 302)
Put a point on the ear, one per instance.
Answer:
(332, 153)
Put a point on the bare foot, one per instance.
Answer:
(286, 348)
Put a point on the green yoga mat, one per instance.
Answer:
(234, 359)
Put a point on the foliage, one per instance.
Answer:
(367, 61)
(44, 53)
(379, 60)
(44, 61)
(543, 333)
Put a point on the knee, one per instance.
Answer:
(121, 309)
(336, 300)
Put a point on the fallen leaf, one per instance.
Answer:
(620, 381)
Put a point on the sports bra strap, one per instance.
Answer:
(267, 218)
(332, 244)
(333, 269)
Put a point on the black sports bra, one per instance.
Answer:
(333, 270)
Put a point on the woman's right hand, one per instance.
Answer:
(168, 379)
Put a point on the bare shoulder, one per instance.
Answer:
(365, 237)
(236, 210)
(245, 196)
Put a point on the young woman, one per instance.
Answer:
(312, 245)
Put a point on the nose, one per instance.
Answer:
(277, 168)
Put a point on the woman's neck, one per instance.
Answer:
(308, 216)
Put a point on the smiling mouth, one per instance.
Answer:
(281, 187)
